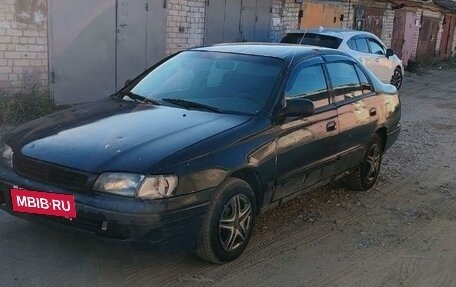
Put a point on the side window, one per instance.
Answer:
(344, 80)
(361, 43)
(365, 83)
(351, 44)
(308, 82)
(376, 47)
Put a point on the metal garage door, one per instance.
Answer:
(318, 14)
(237, 21)
(369, 19)
(446, 44)
(403, 34)
(96, 45)
(427, 39)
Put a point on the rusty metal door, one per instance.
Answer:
(317, 14)
(397, 40)
(96, 45)
(409, 35)
(427, 39)
(237, 20)
(374, 20)
(446, 45)
(369, 19)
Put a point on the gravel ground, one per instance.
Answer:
(400, 233)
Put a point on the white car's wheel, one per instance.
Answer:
(397, 78)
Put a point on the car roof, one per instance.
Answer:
(340, 33)
(276, 50)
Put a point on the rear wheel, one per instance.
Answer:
(229, 222)
(365, 176)
(397, 78)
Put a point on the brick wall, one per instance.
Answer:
(439, 35)
(349, 16)
(388, 24)
(276, 21)
(417, 33)
(23, 45)
(185, 24)
(290, 15)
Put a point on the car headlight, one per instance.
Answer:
(136, 185)
(6, 155)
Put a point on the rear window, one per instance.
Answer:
(313, 39)
(292, 38)
(321, 41)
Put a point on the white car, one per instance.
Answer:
(364, 46)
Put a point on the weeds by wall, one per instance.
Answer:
(24, 107)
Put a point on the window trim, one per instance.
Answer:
(365, 75)
(361, 38)
(332, 90)
(369, 39)
(309, 63)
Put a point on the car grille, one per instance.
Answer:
(51, 174)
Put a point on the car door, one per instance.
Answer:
(379, 64)
(362, 52)
(360, 48)
(306, 147)
(357, 109)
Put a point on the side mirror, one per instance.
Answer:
(127, 82)
(299, 108)
(389, 53)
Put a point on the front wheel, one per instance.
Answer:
(229, 222)
(365, 176)
(397, 78)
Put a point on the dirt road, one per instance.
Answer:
(401, 233)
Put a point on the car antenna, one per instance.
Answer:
(303, 35)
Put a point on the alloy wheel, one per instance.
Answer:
(396, 80)
(373, 160)
(235, 223)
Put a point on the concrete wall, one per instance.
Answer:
(23, 45)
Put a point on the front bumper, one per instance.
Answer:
(115, 216)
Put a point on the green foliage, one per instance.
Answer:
(24, 107)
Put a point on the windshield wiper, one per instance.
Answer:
(139, 98)
(192, 105)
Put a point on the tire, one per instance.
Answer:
(366, 174)
(229, 222)
(397, 78)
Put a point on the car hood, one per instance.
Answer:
(114, 135)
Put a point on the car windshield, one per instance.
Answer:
(212, 81)
(313, 39)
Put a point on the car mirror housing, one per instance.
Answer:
(390, 52)
(299, 108)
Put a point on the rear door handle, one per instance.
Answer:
(331, 126)
(373, 112)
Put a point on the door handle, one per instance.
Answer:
(373, 112)
(331, 126)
